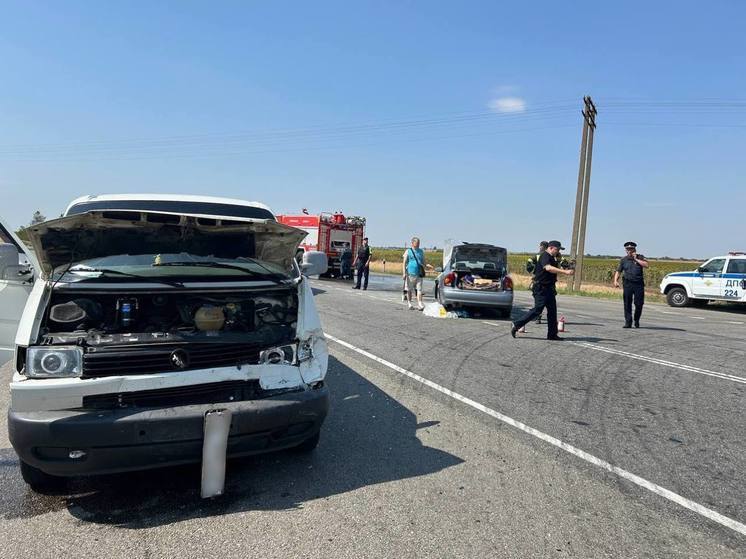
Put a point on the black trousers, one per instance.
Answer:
(362, 271)
(544, 297)
(633, 292)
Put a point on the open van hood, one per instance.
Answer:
(96, 234)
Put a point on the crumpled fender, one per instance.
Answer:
(309, 329)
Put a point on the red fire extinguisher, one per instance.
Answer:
(561, 324)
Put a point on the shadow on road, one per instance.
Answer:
(368, 438)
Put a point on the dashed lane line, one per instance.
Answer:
(583, 455)
(663, 362)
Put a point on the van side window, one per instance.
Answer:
(737, 266)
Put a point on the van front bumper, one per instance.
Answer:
(134, 438)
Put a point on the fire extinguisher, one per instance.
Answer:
(561, 324)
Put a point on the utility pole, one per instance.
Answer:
(577, 246)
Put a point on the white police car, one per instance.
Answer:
(722, 278)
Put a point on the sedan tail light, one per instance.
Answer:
(507, 283)
(450, 279)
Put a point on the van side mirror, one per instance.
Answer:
(10, 269)
(314, 263)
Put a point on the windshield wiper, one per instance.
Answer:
(109, 271)
(271, 276)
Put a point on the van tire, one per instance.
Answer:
(677, 297)
(309, 444)
(39, 481)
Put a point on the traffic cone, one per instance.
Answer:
(561, 324)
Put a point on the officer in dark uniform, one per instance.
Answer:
(362, 263)
(632, 266)
(544, 291)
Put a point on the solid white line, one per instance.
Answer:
(669, 312)
(734, 322)
(603, 464)
(697, 317)
(689, 368)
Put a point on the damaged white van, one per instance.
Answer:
(161, 330)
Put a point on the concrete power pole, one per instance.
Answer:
(577, 246)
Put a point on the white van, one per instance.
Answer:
(159, 330)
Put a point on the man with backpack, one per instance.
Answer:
(414, 272)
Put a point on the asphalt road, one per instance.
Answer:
(447, 438)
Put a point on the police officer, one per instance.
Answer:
(532, 262)
(632, 266)
(362, 263)
(544, 291)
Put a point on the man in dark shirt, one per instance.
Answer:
(632, 266)
(362, 263)
(544, 291)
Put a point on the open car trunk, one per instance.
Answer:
(479, 267)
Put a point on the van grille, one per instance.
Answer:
(149, 359)
(212, 393)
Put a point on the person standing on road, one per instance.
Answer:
(632, 266)
(413, 272)
(532, 266)
(544, 291)
(362, 263)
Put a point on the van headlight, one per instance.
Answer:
(284, 354)
(54, 362)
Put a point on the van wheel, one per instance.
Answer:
(39, 481)
(677, 297)
(309, 444)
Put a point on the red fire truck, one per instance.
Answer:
(332, 233)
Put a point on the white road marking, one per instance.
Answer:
(603, 464)
(697, 317)
(669, 312)
(734, 322)
(689, 368)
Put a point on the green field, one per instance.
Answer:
(596, 269)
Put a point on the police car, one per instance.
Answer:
(722, 278)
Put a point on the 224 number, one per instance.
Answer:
(731, 293)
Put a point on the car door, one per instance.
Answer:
(709, 279)
(734, 280)
(17, 265)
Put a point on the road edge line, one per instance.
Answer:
(590, 458)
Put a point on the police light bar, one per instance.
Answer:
(736, 253)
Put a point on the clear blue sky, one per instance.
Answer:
(442, 119)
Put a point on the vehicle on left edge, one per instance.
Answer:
(139, 315)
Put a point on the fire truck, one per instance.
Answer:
(332, 233)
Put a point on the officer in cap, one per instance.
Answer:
(631, 266)
(544, 291)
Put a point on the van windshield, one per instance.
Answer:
(181, 265)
